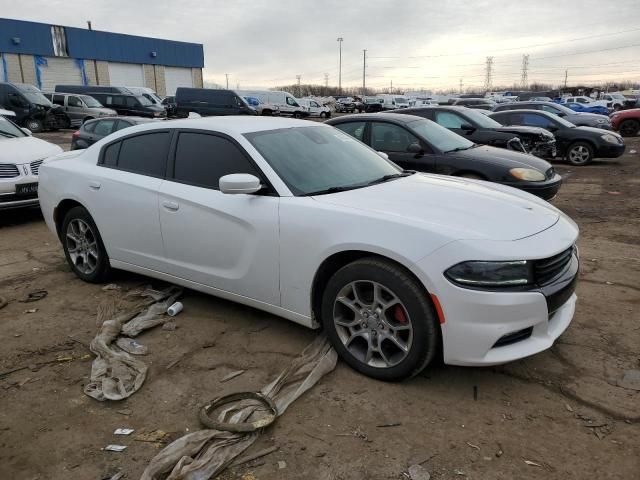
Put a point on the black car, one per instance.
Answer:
(481, 103)
(93, 130)
(579, 145)
(210, 102)
(33, 110)
(170, 105)
(418, 144)
(479, 128)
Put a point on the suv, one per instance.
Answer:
(209, 102)
(32, 109)
(578, 119)
(79, 108)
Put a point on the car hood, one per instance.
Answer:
(519, 129)
(596, 131)
(465, 209)
(503, 157)
(587, 116)
(25, 150)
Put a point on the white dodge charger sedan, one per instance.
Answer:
(303, 221)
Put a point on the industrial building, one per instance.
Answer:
(47, 55)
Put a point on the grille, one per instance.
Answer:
(547, 269)
(35, 166)
(8, 170)
(514, 337)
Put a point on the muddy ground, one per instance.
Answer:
(562, 410)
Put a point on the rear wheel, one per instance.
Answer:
(323, 115)
(629, 128)
(297, 115)
(379, 319)
(579, 154)
(83, 246)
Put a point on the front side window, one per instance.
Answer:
(292, 102)
(145, 154)
(355, 129)
(533, 120)
(442, 138)
(104, 127)
(91, 102)
(315, 159)
(74, 102)
(201, 160)
(547, 108)
(314, 104)
(450, 120)
(132, 102)
(141, 100)
(387, 137)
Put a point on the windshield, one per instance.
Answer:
(401, 100)
(144, 101)
(34, 95)
(442, 138)
(481, 119)
(314, 159)
(9, 130)
(562, 121)
(562, 109)
(90, 101)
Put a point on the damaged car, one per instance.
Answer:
(301, 220)
(32, 109)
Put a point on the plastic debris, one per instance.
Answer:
(129, 345)
(532, 464)
(473, 446)
(282, 464)
(123, 431)
(115, 448)
(418, 472)
(232, 375)
(633, 151)
(111, 286)
(175, 309)
(31, 310)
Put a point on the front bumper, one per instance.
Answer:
(545, 190)
(9, 198)
(609, 151)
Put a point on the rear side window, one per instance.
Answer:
(449, 120)
(145, 154)
(355, 129)
(121, 124)
(89, 126)
(58, 100)
(202, 159)
(104, 127)
(74, 102)
(110, 157)
(131, 102)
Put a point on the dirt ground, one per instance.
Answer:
(557, 415)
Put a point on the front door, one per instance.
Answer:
(75, 110)
(394, 140)
(228, 242)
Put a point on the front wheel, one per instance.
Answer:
(35, 125)
(629, 128)
(579, 154)
(83, 246)
(380, 320)
(323, 115)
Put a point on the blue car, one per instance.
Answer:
(586, 108)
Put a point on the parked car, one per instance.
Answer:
(20, 158)
(89, 89)
(615, 101)
(396, 266)
(314, 108)
(372, 104)
(147, 92)
(345, 105)
(261, 107)
(94, 130)
(577, 118)
(418, 144)
(541, 99)
(211, 102)
(587, 108)
(32, 109)
(131, 105)
(586, 101)
(481, 103)
(627, 122)
(391, 102)
(169, 104)
(286, 103)
(480, 129)
(578, 145)
(79, 108)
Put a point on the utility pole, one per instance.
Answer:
(461, 85)
(326, 82)
(340, 39)
(488, 79)
(227, 75)
(299, 91)
(524, 78)
(89, 25)
(364, 72)
(391, 87)
(566, 74)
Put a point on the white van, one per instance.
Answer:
(315, 108)
(286, 102)
(146, 92)
(391, 102)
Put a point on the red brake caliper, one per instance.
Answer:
(399, 315)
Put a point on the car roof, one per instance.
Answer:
(525, 110)
(395, 117)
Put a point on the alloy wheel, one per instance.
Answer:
(579, 154)
(373, 324)
(82, 246)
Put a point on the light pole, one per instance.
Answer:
(340, 65)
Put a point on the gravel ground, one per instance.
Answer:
(558, 415)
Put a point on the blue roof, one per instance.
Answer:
(35, 39)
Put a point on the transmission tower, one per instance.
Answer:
(524, 79)
(489, 74)
(326, 80)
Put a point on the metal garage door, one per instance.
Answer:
(59, 71)
(126, 75)
(175, 77)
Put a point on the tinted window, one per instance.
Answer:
(550, 109)
(145, 154)
(131, 102)
(104, 127)
(202, 159)
(450, 120)
(355, 129)
(74, 102)
(110, 157)
(121, 124)
(387, 137)
(58, 100)
(89, 126)
(532, 120)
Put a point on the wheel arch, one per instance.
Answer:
(61, 210)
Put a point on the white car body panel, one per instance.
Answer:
(264, 251)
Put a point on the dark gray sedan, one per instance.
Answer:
(93, 130)
(578, 119)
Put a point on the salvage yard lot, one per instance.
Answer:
(559, 414)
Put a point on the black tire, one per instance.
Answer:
(579, 154)
(323, 115)
(102, 268)
(425, 340)
(617, 108)
(629, 128)
(297, 115)
(35, 125)
(267, 113)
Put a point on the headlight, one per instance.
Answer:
(607, 137)
(528, 174)
(491, 274)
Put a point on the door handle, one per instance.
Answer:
(172, 206)
(95, 185)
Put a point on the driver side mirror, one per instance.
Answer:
(26, 131)
(561, 114)
(415, 148)
(383, 155)
(551, 128)
(240, 183)
(467, 128)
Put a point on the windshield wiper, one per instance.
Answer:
(7, 134)
(391, 176)
(459, 149)
(331, 190)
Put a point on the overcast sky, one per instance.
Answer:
(414, 43)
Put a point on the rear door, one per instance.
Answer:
(228, 242)
(394, 140)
